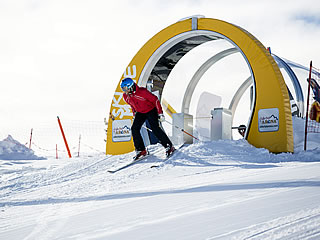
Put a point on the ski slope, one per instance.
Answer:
(208, 190)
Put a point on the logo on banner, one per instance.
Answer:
(121, 130)
(268, 120)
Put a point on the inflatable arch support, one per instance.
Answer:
(270, 123)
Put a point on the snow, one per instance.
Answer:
(207, 190)
(13, 150)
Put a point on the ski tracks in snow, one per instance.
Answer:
(301, 225)
(71, 178)
(41, 177)
(47, 225)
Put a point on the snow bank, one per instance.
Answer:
(11, 149)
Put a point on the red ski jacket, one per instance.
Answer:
(142, 101)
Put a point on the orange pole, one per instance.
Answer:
(64, 138)
(306, 126)
(56, 151)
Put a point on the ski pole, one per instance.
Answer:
(238, 127)
(147, 128)
(182, 130)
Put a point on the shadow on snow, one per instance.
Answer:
(207, 188)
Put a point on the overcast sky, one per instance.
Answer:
(65, 57)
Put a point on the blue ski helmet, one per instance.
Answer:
(127, 85)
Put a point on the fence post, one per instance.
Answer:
(30, 138)
(79, 146)
(64, 138)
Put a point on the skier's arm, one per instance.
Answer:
(158, 106)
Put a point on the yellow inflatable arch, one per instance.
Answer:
(270, 123)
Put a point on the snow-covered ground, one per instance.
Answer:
(208, 190)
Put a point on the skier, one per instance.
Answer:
(315, 107)
(316, 89)
(145, 106)
(315, 111)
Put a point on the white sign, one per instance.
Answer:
(121, 130)
(268, 120)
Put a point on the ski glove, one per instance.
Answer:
(161, 118)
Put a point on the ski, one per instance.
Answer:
(127, 165)
(162, 163)
(143, 158)
(168, 158)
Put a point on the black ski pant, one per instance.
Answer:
(152, 117)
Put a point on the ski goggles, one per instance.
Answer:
(127, 89)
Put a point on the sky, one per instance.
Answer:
(65, 57)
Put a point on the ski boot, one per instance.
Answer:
(140, 154)
(169, 151)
